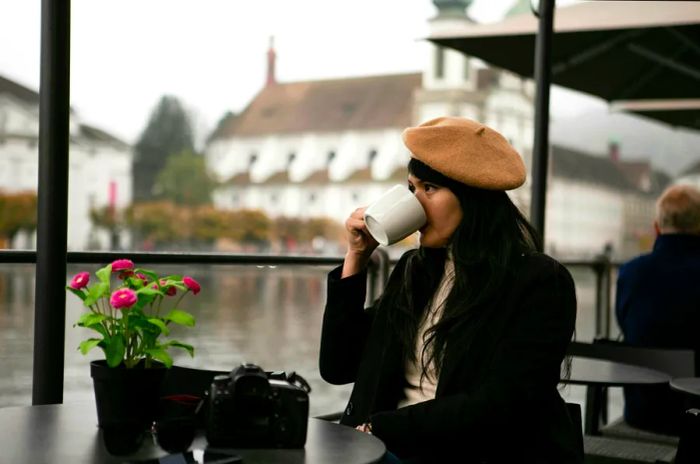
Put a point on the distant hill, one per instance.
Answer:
(669, 150)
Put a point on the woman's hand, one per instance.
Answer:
(360, 243)
(366, 428)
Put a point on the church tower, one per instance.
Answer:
(449, 76)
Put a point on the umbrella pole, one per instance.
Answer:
(543, 76)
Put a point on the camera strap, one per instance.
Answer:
(291, 377)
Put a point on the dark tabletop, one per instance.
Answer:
(687, 385)
(588, 371)
(69, 434)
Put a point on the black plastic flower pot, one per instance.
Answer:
(126, 399)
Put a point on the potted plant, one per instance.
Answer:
(131, 310)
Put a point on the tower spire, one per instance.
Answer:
(452, 8)
(271, 58)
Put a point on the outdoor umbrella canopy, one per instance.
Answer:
(681, 113)
(614, 50)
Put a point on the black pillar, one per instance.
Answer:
(52, 226)
(543, 77)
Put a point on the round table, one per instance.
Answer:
(589, 371)
(68, 433)
(597, 374)
(687, 385)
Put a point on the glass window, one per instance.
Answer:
(372, 155)
(439, 62)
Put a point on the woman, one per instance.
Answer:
(461, 355)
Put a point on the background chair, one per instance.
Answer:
(674, 362)
(619, 442)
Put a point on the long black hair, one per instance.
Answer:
(492, 234)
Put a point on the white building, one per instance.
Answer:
(596, 201)
(100, 166)
(299, 149)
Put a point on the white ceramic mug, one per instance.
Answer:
(395, 215)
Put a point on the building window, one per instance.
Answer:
(312, 198)
(234, 199)
(355, 196)
(467, 69)
(330, 156)
(290, 158)
(252, 159)
(273, 198)
(439, 62)
(372, 155)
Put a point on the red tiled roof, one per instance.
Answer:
(242, 178)
(18, 90)
(317, 177)
(360, 175)
(373, 102)
(281, 177)
(400, 174)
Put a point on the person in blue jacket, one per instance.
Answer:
(460, 358)
(658, 303)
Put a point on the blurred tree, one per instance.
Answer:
(157, 222)
(184, 180)
(323, 227)
(168, 132)
(17, 212)
(209, 224)
(248, 226)
(110, 219)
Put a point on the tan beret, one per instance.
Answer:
(466, 151)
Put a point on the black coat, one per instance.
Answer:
(658, 305)
(497, 397)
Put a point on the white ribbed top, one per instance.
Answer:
(416, 391)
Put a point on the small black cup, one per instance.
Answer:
(122, 438)
(175, 426)
(174, 435)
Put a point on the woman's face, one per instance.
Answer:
(442, 209)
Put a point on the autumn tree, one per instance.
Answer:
(17, 212)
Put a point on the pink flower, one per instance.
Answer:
(122, 265)
(142, 277)
(123, 298)
(80, 280)
(191, 284)
(170, 290)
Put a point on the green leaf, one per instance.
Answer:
(159, 323)
(89, 344)
(176, 277)
(176, 284)
(114, 350)
(180, 317)
(184, 346)
(90, 319)
(79, 293)
(150, 274)
(143, 300)
(134, 282)
(148, 291)
(161, 355)
(95, 292)
(104, 274)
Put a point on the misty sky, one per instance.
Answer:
(211, 53)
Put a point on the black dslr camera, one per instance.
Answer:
(251, 408)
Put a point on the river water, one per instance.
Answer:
(268, 315)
